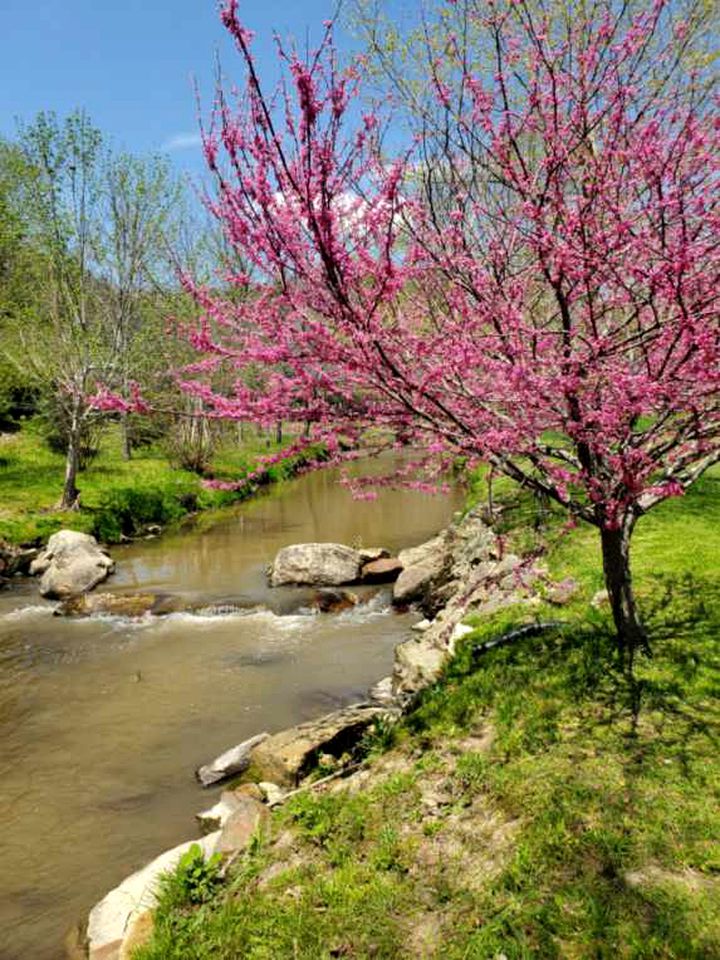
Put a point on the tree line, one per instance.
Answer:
(91, 243)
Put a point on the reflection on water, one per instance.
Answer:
(103, 721)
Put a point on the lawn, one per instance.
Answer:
(117, 497)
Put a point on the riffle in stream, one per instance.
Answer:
(102, 720)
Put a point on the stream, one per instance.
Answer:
(103, 720)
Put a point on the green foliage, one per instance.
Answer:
(118, 498)
(195, 880)
(124, 511)
(378, 738)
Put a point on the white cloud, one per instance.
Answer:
(182, 141)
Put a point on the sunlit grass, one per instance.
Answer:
(117, 497)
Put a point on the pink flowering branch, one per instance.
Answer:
(537, 286)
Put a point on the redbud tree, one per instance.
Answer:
(532, 282)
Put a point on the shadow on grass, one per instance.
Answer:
(662, 706)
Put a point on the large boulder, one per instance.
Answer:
(318, 564)
(434, 571)
(421, 566)
(71, 564)
(285, 757)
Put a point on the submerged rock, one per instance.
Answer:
(71, 564)
(335, 601)
(318, 564)
(110, 604)
(231, 763)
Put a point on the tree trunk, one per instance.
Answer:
(125, 429)
(70, 491)
(618, 580)
(279, 432)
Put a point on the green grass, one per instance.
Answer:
(538, 803)
(117, 497)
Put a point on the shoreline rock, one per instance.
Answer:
(15, 561)
(231, 763)
(285, 757)
(112, 919)
(384, 570)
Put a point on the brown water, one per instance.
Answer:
(103, 721)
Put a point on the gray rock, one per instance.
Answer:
(246, 820)
(272, 792)
(231, 763)
(72, 563)
(215, 817)
(382, 692)
(319, 564)
(418, 663)
(16, 560)
(415, 581)
(459, 631)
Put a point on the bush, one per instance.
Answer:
(194, 881)
(124, 511)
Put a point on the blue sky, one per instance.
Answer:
(131, 63)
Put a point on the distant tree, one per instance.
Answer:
(142, 200)
(20, 269)
(100, 223)
(64, 350)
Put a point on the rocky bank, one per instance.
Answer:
(460, 570)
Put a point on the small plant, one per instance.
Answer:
(388, 851)
(194, 881)
(378, 737)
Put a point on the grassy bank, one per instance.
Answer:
(537, 803)
(118, 497)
